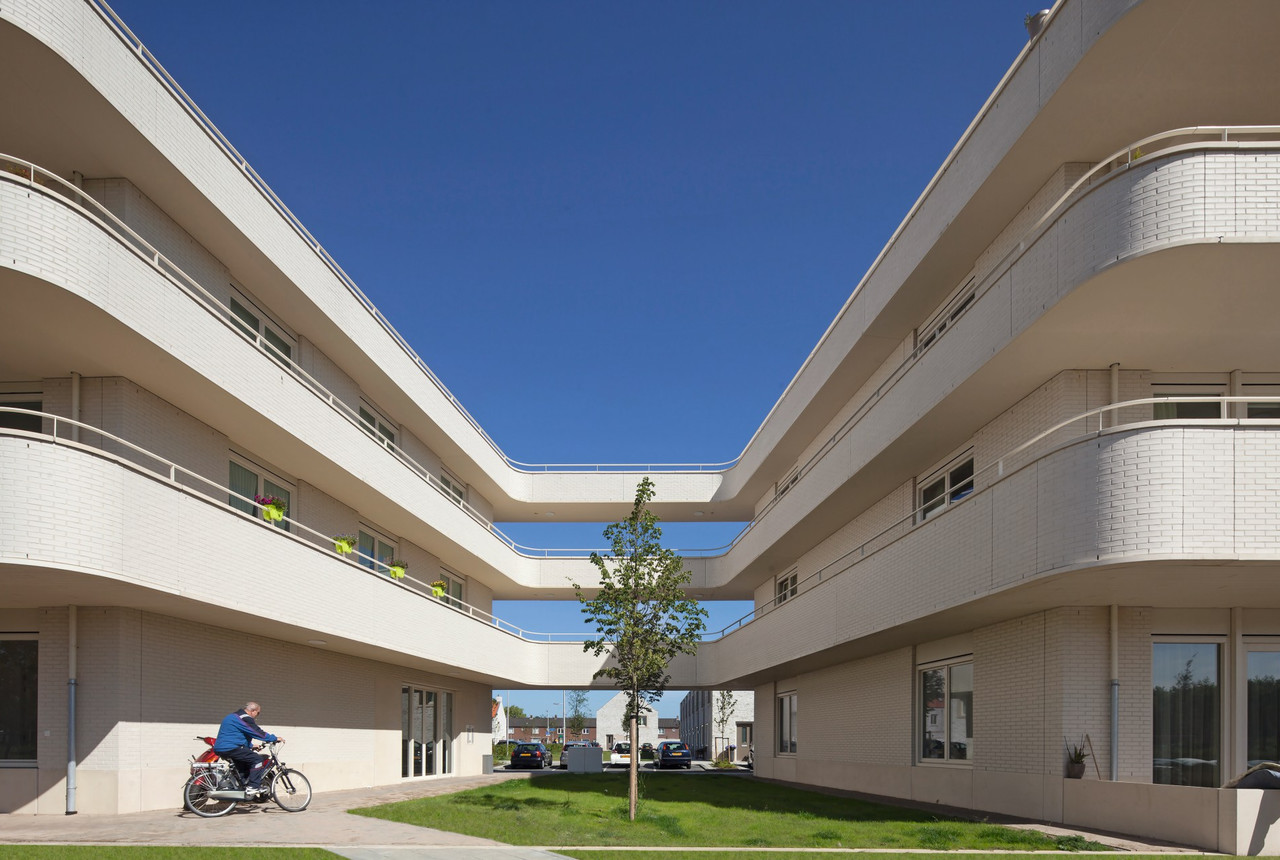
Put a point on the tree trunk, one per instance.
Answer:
(634, 770)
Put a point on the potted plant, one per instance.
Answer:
(439, 587)
(344, 544)
(273, 508)
(396, 568)
(1075, 759)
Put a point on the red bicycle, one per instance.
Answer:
(215, 786)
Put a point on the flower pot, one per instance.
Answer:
(344, 547)
(395, 571)
(272, 514)
(438, 592)
(1075, 770)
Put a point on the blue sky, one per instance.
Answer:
(615, 230)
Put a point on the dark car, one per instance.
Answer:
(530, 755)
(674, 754)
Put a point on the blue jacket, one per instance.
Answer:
(239, 730)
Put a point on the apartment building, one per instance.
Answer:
(711, 724)
(1019, 496)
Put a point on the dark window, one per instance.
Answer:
(18, 691)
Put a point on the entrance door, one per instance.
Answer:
(417, 732)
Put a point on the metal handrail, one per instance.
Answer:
(158, 71)
(314, 540)
(1216, 137)
(997, 469)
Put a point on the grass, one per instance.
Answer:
(159, 852)
(739, 854)
(698, 811)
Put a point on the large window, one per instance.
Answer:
(452, 588)
(247, 483)
(260, 330)
(373, 548)
(1262, 667)
(1186, 718)
(377, 425)
(786, 587)
(18, 698)
(454, 488)
(946, 486)
(1208, 408)
(18, 421)
(946, 711)
(786, 719)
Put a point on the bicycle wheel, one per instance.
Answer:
(291, 790)
(196, 796)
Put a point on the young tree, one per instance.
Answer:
(515, 711)
(577, 705)
(643, 616)
(725, 703)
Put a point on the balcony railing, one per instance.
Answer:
(186, 481)
(1105, 419)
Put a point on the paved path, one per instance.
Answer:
(327, 824)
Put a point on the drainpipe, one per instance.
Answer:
(1115, 690)
(71, 710)
(1115, 392)
(1236, 389)
(75, 413)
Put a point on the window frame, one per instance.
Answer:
(786, 587)
(945, 714)
(1207, 390)
(264, 329)
(455, 588)
(954, 486)
(376, 423)
(378, 537)
(1226, 685)
(786, 714)
(454, 489)
(27, 636)
(264, 476)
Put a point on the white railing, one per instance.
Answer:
(1162, 144)
(158, 71)
(186, 481)
(1107, 421)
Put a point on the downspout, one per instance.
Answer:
(1115, 391)
(71, 710)
(75, 415)
(1115, 691)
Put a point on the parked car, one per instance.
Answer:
(570, 745)
(674, 754)
(530, 755)
(647, 752)
(620, 754)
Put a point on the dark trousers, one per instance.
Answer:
(251, 765)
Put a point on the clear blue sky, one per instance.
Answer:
(615, 230)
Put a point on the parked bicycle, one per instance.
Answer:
(215, 786)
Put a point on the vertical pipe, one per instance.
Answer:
(1236, 389)
(71, 710)
(1115, 691)
(75, 407)
(1114, 394)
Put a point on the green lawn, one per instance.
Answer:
(697, 811)
(162, 852)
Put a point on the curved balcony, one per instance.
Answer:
(1142, 513)
(117, 525)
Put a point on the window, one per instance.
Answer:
(453, 487)
(18, 421)
(786, 587)
(780, 489)
(946, 711)
(1262, 668)
(536, 732)
(787, 724)
(1186, 718)
(452, 588)
(246, 484)
(946, 486)
(934, 329)
(374, 548)
(260, 330)
(18, 709)
(377, 425)
(1207, 408)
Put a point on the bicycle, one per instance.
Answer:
(216, 787)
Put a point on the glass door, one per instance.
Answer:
(426, 731)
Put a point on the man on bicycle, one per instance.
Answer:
(235, 743)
